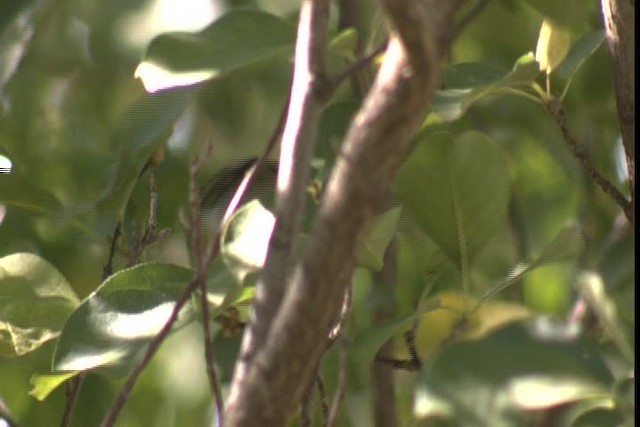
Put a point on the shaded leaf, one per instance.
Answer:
(35, 302)
(457, 190)
(568, 13)
(375, 244)
(20, 192)
(112, 327)
(237, 39)
(466, 83)
(143, 127)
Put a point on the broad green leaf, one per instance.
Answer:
(375, 244)
(43, 384)
(35, 302)
(457, 190)
(553, 45)
(521, 367)
(579, 52)
(143, 127)
(237, 39)
(20, 192)
(466, 83)
(112, 327)
(245, 240)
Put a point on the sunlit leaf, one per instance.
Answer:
(245, 240)
(237, 39)
(457, 190)
(553, 45)
(43, 384)
(514, 370)
(376, 242)
(35, 301)
(113, 326)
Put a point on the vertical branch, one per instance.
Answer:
(310, 89)
(619, 24)
(266, 391)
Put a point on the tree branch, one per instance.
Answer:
(267, 391)
(619, 26)
(309, 92)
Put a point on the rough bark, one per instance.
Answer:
(619, 26)
(269, 390)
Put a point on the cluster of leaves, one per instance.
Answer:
(482, 204)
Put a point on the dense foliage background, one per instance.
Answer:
(76, 128)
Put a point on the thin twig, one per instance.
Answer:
(338, 396)
(471, 14)
(557, 111)
(198, 250)
(322, 395)
(73, 392)
(107, 270)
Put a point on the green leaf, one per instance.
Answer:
(457, 190)
(143, 127)
(112, 327)
(375, 244)
(334, 123)
(579, 52)
(20, 192)
(43, 384)
(553, 45)
(35, 302)
(245, 240)
(466, 83)
(522, 367)
(237, 39)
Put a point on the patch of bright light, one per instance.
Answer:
(425, 405)
(621, 161)
(539, 393)
(160, 16)
(131, 326)
(89, 361)
(154, 77)
(5, 164)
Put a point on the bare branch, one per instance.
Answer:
(309, 91)
(558, 113)
(267, 391)
(619, 23)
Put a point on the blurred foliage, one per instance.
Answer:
(502, 239)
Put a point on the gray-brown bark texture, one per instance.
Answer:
(267, 391)
(619, 26)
